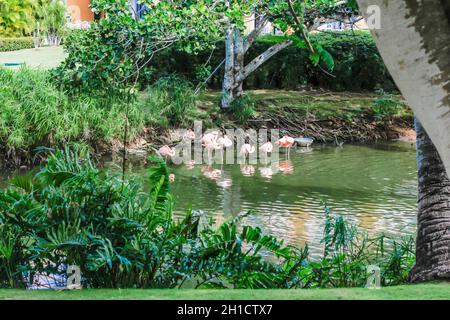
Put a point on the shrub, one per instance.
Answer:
(12, 44)
(358, 65)
(171, 101)
(34, 112)
(243, 108)
(348, 252)
(16, 17)
(115, 51)
(385, 107)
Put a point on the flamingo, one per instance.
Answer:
(209, 142)
(225, 142)
(189, 136)
(210, 138)
(286, 142)
(210, 145)
(266, 147)
(166, 151)
(247, 149)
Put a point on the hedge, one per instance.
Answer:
(12, 44)
(359, 66)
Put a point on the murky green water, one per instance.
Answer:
(372, 185)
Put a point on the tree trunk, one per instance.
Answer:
(238, 62)
(433, 233)
(228, 79)
(235, 69)
(413, 37)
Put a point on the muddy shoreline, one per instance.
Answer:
(360, 129)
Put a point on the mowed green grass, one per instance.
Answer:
(432, 291)
(42, 58)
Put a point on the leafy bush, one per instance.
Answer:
(34, 112)
(357, 64)
(12, 44)
(243, 108)
(16, 17)
(386, 107)
(171, 101)
(115, 51)
(348, 252)
(70, 213)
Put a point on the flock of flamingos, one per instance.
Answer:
(214, 141)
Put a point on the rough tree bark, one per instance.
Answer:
(414, 41)
(433, 234)
(228, 79)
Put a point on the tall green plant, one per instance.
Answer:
(35, 112)
(51, 19)
(171, 101)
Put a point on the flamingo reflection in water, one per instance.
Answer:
(248, 170)
(286, 167)
(266, 172)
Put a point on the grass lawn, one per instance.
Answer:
(409, 292)
(322, 104)
(42, 58)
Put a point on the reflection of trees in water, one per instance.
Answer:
(232, 201)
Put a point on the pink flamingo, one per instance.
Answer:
(166, 151)
(246, 149)
(210, 143)
(286, 142)
(210, 138)
(189, 135)
(266, 147)
(225, 142)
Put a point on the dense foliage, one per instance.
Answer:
(35, 112)
(170, 102)
(16, 17)
(70, 213)
(51, 19)
(115, 51)
(357, 65)
(12, 44)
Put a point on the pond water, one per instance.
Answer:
(373, 186)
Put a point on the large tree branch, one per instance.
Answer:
(261, 59)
